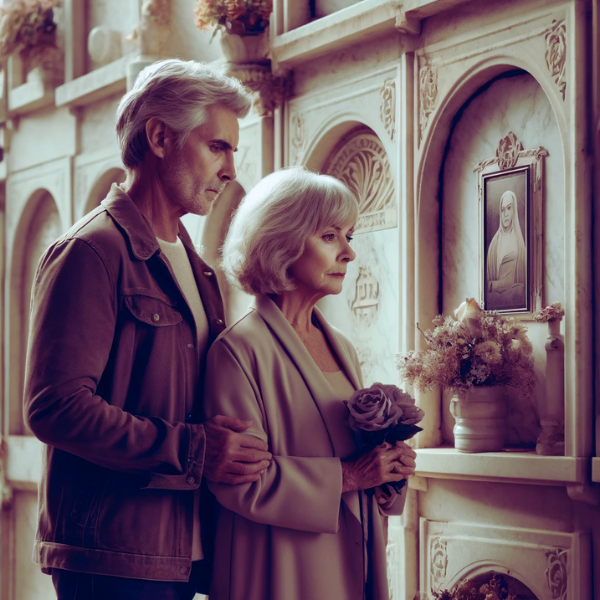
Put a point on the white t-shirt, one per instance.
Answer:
(182, 269)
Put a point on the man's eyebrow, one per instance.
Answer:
(226, 145)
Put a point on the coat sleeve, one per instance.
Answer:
(73, 321)
(295, 492)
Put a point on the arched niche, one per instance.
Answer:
(213, 235)
(367, 310)
(428, 283)
(38, 228)
(102, 186)
(514, 582)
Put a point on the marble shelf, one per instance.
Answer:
(359, 22)
(596, 469)
(507, 466)
(29, 96)
(100, 83)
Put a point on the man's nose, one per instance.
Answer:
(227, 172)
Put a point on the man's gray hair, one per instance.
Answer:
(270, 228)
(176, 92)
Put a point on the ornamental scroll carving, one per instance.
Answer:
(361, 162)
(556, 54)
(297, 137)
(428, 93)
(438, 558)
(556, 573)
(387, 110)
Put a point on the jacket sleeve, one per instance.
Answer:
(72, 328)
(295, 492)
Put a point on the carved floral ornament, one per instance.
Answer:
(297, 137)
(361, 162)
(428, 93)
(387, 109)
(556, 54)
(556, 573)
(438, 559)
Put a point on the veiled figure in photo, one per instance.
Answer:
(507, 259)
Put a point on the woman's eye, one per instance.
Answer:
(216, 148)
(329, 237)
(349, 238)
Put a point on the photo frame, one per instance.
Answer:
(510, 187)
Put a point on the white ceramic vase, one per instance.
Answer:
(245, 48)
(481, 419)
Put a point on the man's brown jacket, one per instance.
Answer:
(113, 390)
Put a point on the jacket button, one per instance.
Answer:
(156, 317)
(208, 273)
(191, 480)
(219, 321)
(183, 571)
(190, 345)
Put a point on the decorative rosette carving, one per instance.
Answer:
(556, 573)
(387, 110)
(556, 54)
(508, 151)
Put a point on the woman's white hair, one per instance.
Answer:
(176, 92)
(270, 228)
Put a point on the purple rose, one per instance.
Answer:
(411, 414)
(372, 410)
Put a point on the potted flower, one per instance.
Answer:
(476, 354)
(242, 25)
(28, 26)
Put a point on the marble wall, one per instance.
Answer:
(514, 103)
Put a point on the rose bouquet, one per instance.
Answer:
(382, 413)
(473, 348)
(554, 312)
(497, 587)
(241, 17)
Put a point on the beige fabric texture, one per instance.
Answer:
(290, 535)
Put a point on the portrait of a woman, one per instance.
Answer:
(305, 529)
(506, 272)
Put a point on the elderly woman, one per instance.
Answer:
(304, 530)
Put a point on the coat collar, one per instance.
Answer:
(340, 435)
(135, 226)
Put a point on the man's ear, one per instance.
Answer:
(158, 136)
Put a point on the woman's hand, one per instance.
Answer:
(383, 464)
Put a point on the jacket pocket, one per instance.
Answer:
(152, 308)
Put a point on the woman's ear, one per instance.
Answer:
(156, 133)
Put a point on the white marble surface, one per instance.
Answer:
(375, 338)
(515, 104)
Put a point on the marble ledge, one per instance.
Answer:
(91, 87)
(29, 96)
(356, 23)
(509, 466)
(596, 469)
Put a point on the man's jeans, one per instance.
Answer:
(70, 585)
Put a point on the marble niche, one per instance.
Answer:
(367, 311)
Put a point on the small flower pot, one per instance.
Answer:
(245, 48)
(481, 419)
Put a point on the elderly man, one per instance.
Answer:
(123, 312)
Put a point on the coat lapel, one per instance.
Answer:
(332, 411)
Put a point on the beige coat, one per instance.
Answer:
(290, 535)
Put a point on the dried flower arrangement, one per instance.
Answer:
(496, 588)
(241, 17)
(477, 348)
(554, 312)
(24, 24)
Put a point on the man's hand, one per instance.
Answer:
(231, 456)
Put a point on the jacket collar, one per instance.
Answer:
(135, 226)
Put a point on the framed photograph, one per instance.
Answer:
(510, 229)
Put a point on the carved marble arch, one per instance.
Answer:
(38, 228)
(102, 186)
(214, 232)
(354, 154)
